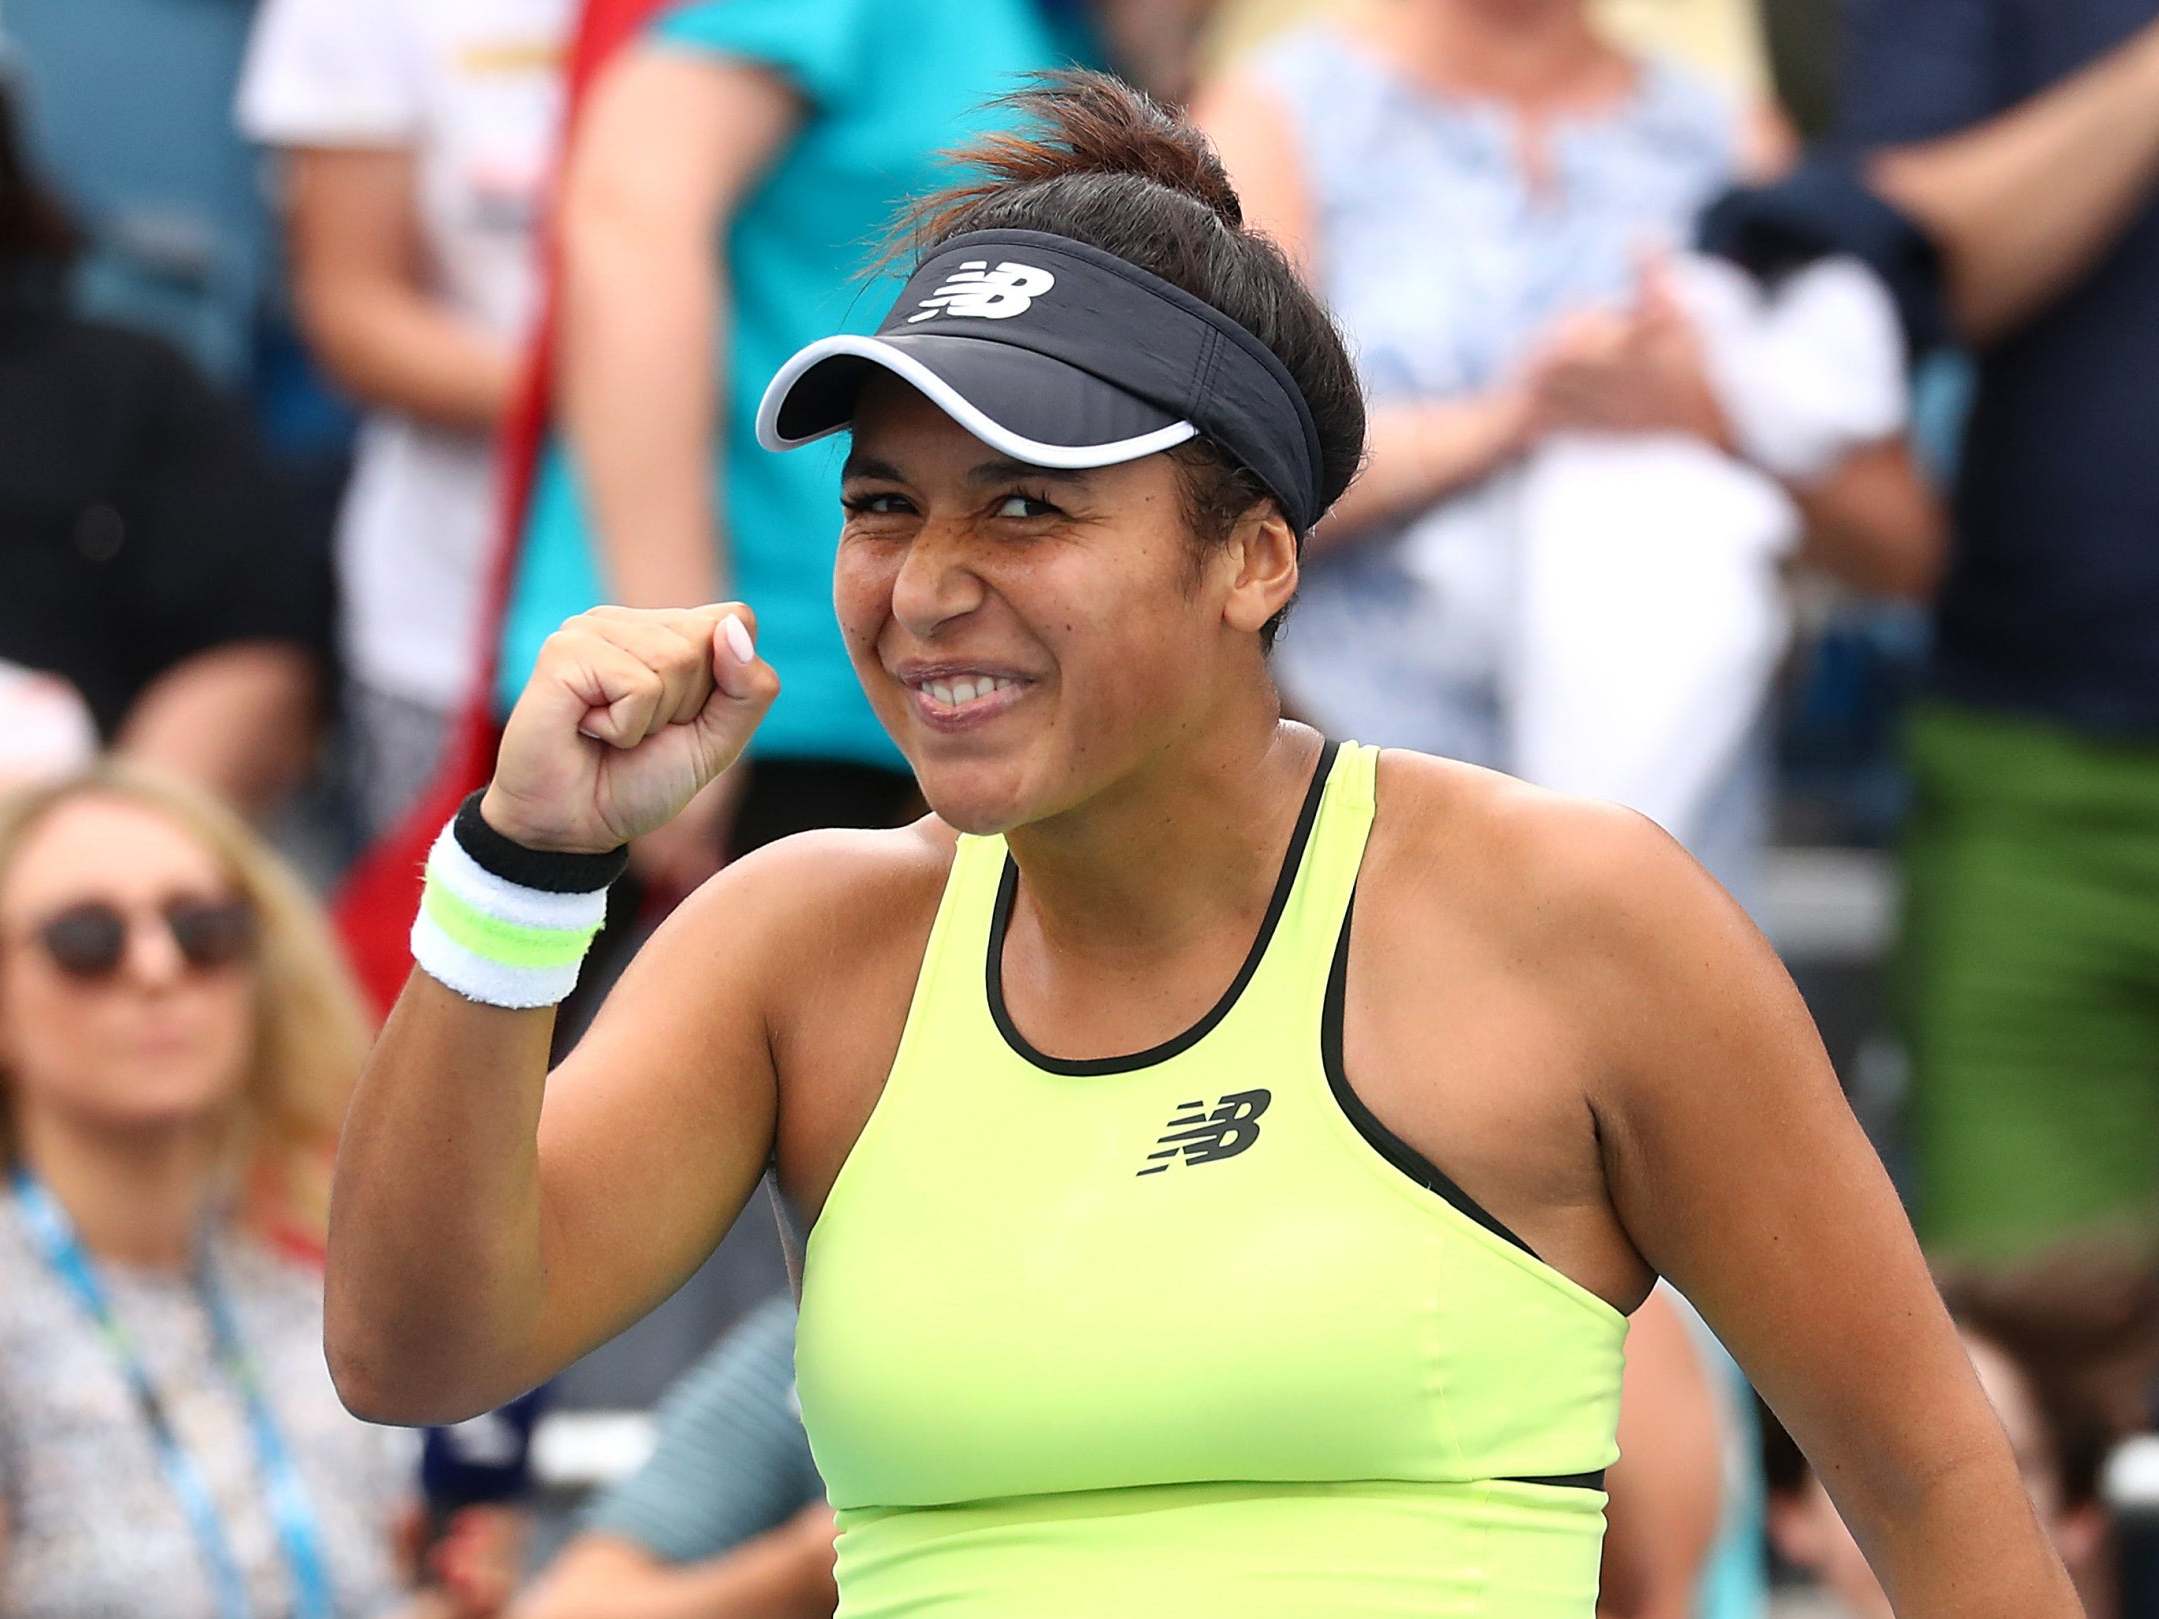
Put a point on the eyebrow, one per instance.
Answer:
(1002, 469)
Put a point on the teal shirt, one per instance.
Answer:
(886, 85)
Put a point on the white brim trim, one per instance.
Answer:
(955, 405)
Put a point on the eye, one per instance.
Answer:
(1016, 505)
(875, 504)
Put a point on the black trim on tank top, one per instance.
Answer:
(1401, 1154)
(1571, 1481)
(1384, 1141)
(1001, 916)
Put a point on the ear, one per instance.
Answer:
(1261, 558)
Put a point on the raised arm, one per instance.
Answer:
(670, 144)
(1740, 1174)
(1415, 452)
(480, 1241)
(2023, 203)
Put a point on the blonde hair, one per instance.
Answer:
(311, 1029)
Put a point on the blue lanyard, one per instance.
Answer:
(297, 1529)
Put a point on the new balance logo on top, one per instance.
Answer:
(1200, 1136)
(975, 289)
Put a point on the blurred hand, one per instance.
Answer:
(476, 1563)
(1638, 370)
(808, 1538)
(628, 715)
(471, 1572)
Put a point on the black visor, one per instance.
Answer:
(1062, 355)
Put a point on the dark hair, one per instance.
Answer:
(35, 230)
(2081, 1327)
(1101, 163)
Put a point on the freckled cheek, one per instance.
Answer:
(862, 600)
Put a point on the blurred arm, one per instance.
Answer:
(1876, 524)
(237, 720)
(669, 145)
(360, 283)
(1667, 1491)
(1414, 453)
(2025, 203)
(785, 1573)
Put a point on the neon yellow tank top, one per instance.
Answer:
(1186, 1333)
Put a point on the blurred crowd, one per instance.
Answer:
(1759, 437)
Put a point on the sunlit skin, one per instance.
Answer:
(1082, 589)
(154, 1045)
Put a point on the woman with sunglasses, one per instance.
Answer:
(1187, 1240)
(177, 1038)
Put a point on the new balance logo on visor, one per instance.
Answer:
(975, 289)
(1200, 1136)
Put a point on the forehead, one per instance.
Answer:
(105, 848)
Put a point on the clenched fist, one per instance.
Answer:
(628, 713)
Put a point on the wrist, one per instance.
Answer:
(489, 820)
(1510, 424)
(504, 924)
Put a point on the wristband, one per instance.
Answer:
(505, 925)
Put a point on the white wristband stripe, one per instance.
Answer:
(490, 983)
(504, 900)
(498, 942)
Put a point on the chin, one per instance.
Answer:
(175, 1099)
(980, 797)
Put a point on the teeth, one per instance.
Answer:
(966, 689)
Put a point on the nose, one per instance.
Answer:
(937, 580)
(153, 960)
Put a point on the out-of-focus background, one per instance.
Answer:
(1763, 436)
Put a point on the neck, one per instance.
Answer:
(1192, 838)
(1535, 53)
(134, 1197)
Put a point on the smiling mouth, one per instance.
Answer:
(959, 690)
(962, 695)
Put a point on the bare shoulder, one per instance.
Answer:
(1597, 896)
(826, 899)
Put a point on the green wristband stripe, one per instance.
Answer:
(507, 944)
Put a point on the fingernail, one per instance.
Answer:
(739, 642)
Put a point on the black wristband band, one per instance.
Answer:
(549, 870)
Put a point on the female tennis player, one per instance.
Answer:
(1231, 1155)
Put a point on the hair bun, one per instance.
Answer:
(1080, 123)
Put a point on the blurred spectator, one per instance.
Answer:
(124, 104)
(1473, 186)
(2031, 978)
(1724, 38)
(2064, 1353)
(727, 1517)
(417, 136)
(1668, 1499)
(177, 1040)
(151, 560)
(788, 132)
(46, 729)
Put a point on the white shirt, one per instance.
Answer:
(474, 90)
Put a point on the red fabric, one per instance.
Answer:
(375, 903)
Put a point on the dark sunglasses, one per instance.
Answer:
(89, 940)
